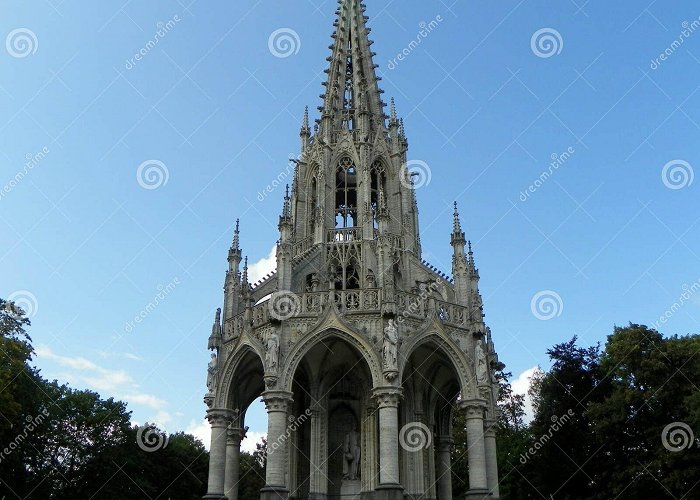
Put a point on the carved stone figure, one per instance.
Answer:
(351, 454)
(390, 347)
(482, 369)
(272, 354)
(212, 370)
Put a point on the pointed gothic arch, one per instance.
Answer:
(305, 344)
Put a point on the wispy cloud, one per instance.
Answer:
(117, 383)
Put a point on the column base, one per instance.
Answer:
(478, 495)
(274, 493)
(209, 496)
(317, 496)
(389, 492)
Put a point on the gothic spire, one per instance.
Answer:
(352, 88)
(457, 233)
(236, 236)
(234, 253)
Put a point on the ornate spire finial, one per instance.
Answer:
(237, 234)
(394, 116)
(457, 238)
(245, 271)
(457, 224)
(305, 130)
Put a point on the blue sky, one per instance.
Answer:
(611, 235)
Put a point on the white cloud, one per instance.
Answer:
(521, 385)
(251, 439)
(258, 270)
(116, 383)
(201, 431)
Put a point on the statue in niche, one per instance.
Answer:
(390, 348)
(212, 369)
(482, 369)
(272, 354)
(351, 454)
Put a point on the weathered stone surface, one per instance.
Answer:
(361, 350)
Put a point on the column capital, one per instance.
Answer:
(221, 417)
(444, 443)
(490, 427)
(235, 436)
(387, 396)
(474, 408)
(277, 400)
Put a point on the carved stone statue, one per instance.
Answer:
(272, 354)
(390, 347)
(212, 369)
(351, 454)
(482, 369)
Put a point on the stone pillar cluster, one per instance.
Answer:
(219, 419)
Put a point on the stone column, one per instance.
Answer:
(369, 459)
(388, 402)
(277, 403)
(219, 419)
(316, 490)
(444, 467)
(490, 427)
(233, 462)
(478, 484)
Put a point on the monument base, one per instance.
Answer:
(350, 490)
(389, 492)
(478, 495)
(274, 493)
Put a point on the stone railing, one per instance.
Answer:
(302, 246)
(410, 305)
(310, 305)
(344, 235)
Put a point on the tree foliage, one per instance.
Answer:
(61, 443)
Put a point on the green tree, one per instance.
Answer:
(653, 383)
(559, 460)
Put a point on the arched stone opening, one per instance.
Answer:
(431, 386)
(332, 452)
